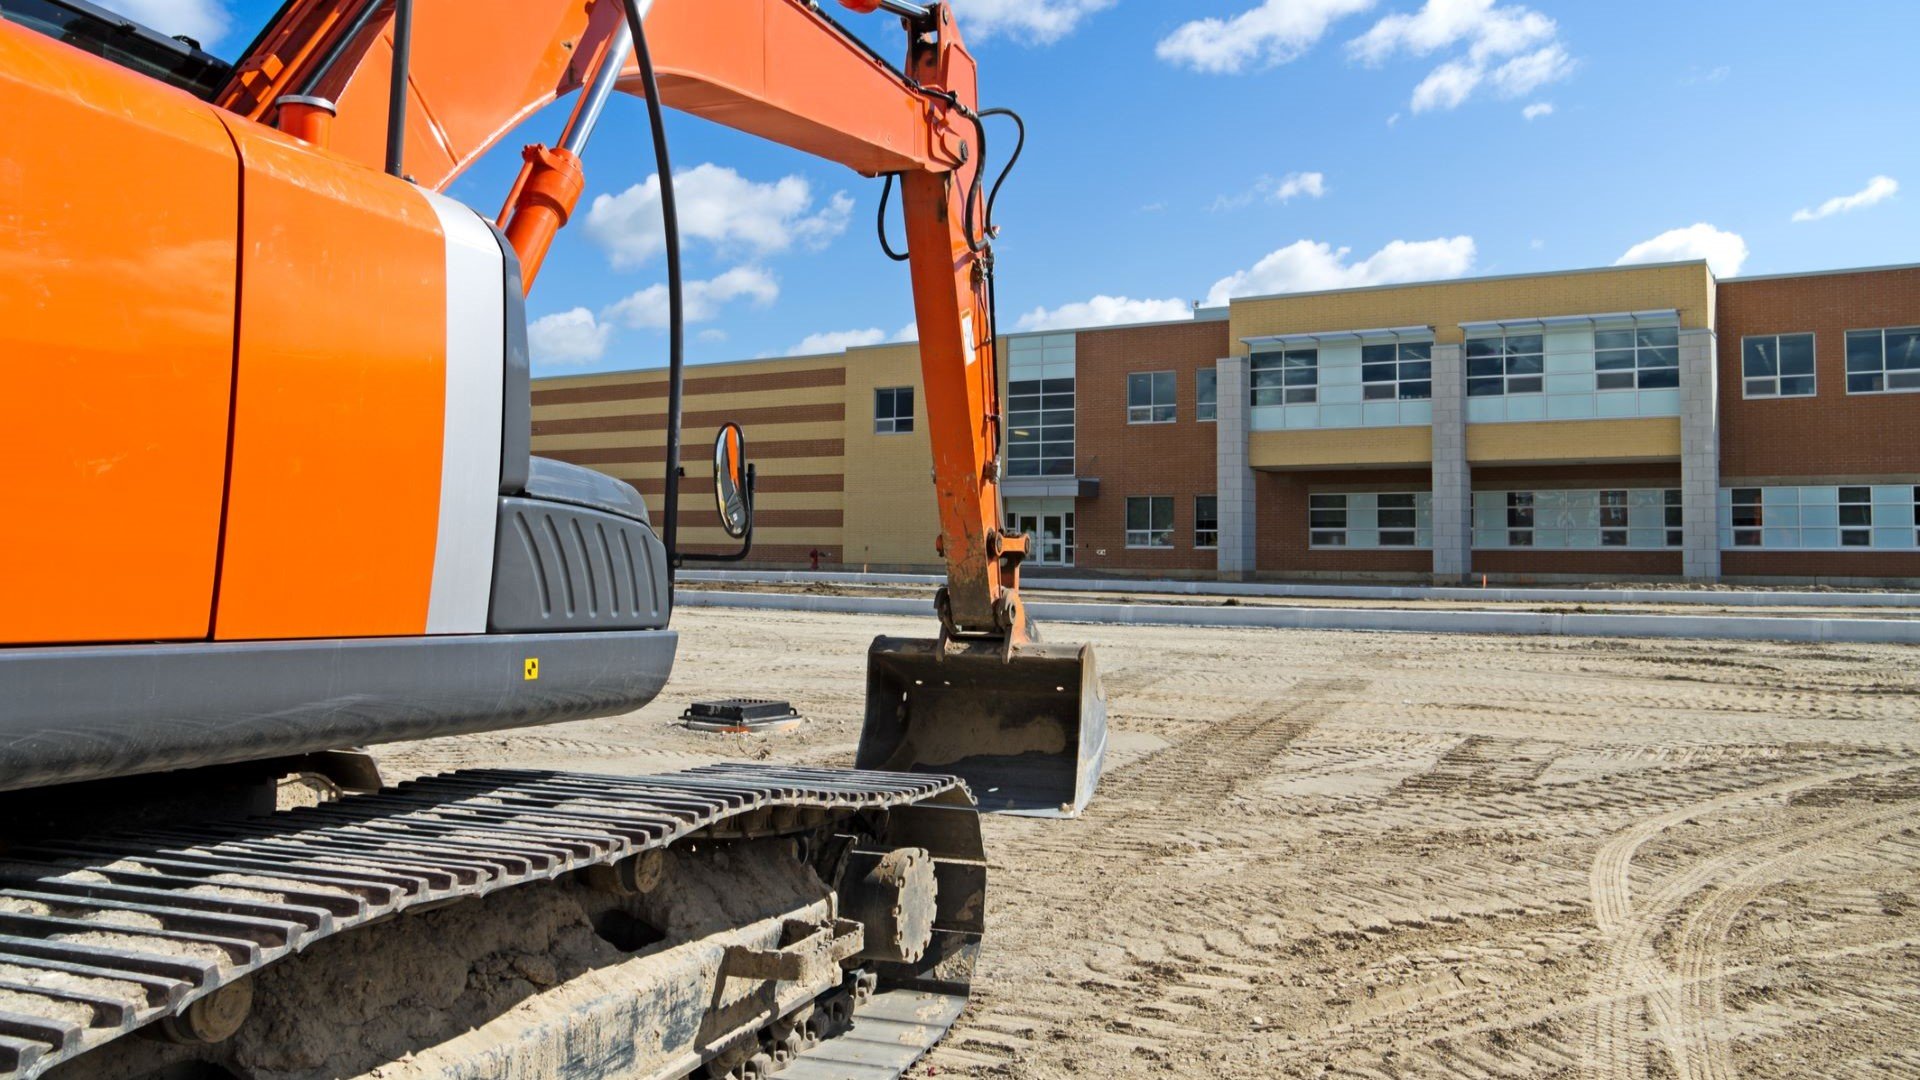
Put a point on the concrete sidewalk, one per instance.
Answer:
(1706, 597)
(1523, 623)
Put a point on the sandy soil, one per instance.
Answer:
(1323, 854)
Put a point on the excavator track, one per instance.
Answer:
(102, 937)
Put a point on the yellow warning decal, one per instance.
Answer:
(533, 668)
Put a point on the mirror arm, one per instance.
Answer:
(746, 542)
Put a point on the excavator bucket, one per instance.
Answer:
(1027, 732)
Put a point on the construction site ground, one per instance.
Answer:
(1393, 855)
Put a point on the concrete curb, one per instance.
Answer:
(1744, 598)
(1522, 623)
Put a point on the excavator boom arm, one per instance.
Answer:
(778, 69)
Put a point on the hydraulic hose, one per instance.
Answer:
(676, 305)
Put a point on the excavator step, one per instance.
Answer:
(103, 936)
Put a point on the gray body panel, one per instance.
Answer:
(516, 418)
(559, 567)
(577, 485)
(70, 714)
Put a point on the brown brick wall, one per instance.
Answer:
(1822, 565)
(1832, 433)
(1174, 460)
(1280, 511)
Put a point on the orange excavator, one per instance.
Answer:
(267, 406)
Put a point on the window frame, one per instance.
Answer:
(1151, 532)
(1152, 409)
(1640, 369)
(1884, 372)
(1206, 407)
(893, 394)
(1325, 508)
(1303, 391)
(1747, 381)
(1028, 402)
(1399, 365)
(1200, 535)
(1506, 356)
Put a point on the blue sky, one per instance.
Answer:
(1188, 150)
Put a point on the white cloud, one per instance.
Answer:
(1447, 86)
(1441, 24)
(835, 341)
(717, 205)
(909, 332)
(205, 21)
(1038, 22)
(1313, 185)
(712, 335)
(1878, 190)
(1724, 251)
(1309, 266)
(1522, 75)
(1105, 311)
(568, 337)
(648, 308)
(1514, 50)
(1276, 32)
(1537, 110)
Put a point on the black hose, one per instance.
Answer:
(886, 192)
(676, 307)
(993, 197)
(397, 90)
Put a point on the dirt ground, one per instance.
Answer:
(1375, 855)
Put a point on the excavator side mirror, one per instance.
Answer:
(732, 488)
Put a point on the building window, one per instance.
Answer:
(1647, 358)
(1398, 519)
(1151, 398)
(1853, 517)
(893, 411)
(1290, 377)
(1506, 364)
(1398, 372)
(1778, 365)
(1640, 519)
(1856, 517)
(1040, 427)
(1327, 520)
(1749, 517)
(1519, 519)
(1613, 519)
(1883, 361)
(1206, 395)
(1206, 521)
(1149, 522)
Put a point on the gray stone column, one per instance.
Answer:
(1452, 477)
(1234, 480)
(1700, 454)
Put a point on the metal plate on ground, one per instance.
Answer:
(890, 1033)
(741, 716)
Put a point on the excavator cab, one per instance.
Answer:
(1024, 725)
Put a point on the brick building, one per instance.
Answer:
(1626, 423)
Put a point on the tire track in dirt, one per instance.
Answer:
(1702, 958)
(1204, 943)
(1630, 978)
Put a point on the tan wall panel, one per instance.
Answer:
(657, 407)
(1655, 438)
(892, 516)
(1343, 448)
(1445, 305)
(698, 443)
(763, 376)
